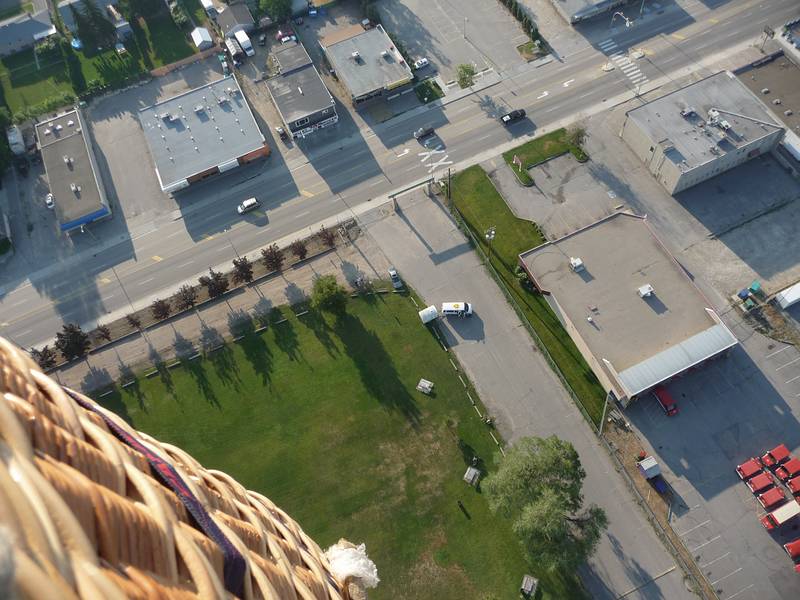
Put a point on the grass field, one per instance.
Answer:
(540, 149)
(15, 10)
(25, 85)
(322, 416)
(483, 207)
(428, 91)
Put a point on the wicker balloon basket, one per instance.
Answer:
(92, 508)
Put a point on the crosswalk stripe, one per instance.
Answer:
(639, 79)
(615, 55)
(607, 44)
(629, 68)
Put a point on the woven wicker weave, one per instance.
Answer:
(91, 516)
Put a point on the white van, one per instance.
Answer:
(457, 309)
(428, 314)
(248, 205)
(245, 43)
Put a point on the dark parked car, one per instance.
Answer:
(423, 132)
(665, 401)
(514, 115)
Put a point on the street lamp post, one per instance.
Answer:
(489, 235)
(641, 9)
(465, 28)
(628, 22)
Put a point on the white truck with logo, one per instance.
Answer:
(245, 43)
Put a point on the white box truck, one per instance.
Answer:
(779, 516)
(245, 43)
(428, 314)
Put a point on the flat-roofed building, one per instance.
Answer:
(201, 133)
(367, 62)
(700, 131)
(303, 101)
(631, 310)
(69, 162)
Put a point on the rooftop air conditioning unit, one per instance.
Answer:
(576, 264)
(70, 123)
(385, 53)
(222, 100)
(59, 127)
(724, 124)
(355, 56)
(74, 187)
(646, 291)
(199, 108)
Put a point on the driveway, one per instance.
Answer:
(520, 391)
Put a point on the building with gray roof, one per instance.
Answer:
(201, 133)
(23, 31)
(235, 17)
(701, 130)
(630, 308)
(367, 63)
(107, 7)
(575, 11)
(299, 94)
(71, 170)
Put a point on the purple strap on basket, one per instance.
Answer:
(234, 566)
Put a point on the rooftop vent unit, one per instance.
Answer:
(385, 53)
(75, 187)
(355, 56)
(646, 291)
(576, 264)
(70, 123)
(47, 132)
(199, 108)
(724, 124)
(222, 100)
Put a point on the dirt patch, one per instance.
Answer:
(428, 578)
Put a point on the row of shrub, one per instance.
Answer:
(520, 13)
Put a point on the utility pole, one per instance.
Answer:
(448, 184)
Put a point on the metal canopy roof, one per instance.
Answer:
(677, 359)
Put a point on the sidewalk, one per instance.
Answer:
(521, 392)
(206, 327)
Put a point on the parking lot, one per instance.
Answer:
(451, 33)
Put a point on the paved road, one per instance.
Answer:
(521, 391)
(151, 260)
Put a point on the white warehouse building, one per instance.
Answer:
(700, 131)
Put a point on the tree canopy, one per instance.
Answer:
(328, 295)
(72, 341)
(538, 485)
(277, 10)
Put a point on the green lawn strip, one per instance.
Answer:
(322, 416)
(539, 150)
(24, 85)
(428, 91)
(16, 10)
(195, 10)
(166, 43)
(483, 207)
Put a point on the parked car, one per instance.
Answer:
(772, 498)
(793, 550)
(423, 132)
(282, 133)
(421, 63)
(775, 456)
(50, 201)
(397, 283)
(285, 35)
(248, 205)
(666, 402)
(748, 469)
(514, 115)
(794, 485)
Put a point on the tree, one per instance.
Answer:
(134, 321)
(272, 257)
(576, 135)
(277, 10)
(160, 309)
(465, 75)
(215, 283)
(186, 297)
(242, 270)
(328, 295)
(328, 237)
(104, 333)
(105, 34)
(72, 341)
(83, 27)
(299, 249)
(538, 485)
(45, 357)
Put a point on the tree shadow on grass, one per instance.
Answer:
(263, 309)
(294, 294)
(240, 322)
(126, 375)
(95, 379)
(220, 356)
(376, 367)
(161, 366)
(286, 339)
(316, 323)
(197, 371)
(183, 348)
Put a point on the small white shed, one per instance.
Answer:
(202, 38)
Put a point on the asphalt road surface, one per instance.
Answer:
(152, 260)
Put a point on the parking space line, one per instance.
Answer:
(708, 564)
(741, 591)
(706, 522)
(146, 281)
(726, 576)
(771, 354)
(792, 379)
(791, 362)
(714, 539)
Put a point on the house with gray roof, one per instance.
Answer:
(235, 17)
(299, 94)
(109, 9)
(23, 31)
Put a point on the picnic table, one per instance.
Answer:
(425, 386)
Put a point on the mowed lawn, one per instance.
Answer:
(482, 207)
(322, 416)
(26, 85)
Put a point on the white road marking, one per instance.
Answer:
(186, 264)
(777, 351)
(726, 576)
(695, 527)
(146, 281)
(403, 153)
(376, 182)
(18, 303)
(429, 153)
(714, 539)
(24, 332)
(607, 45)
(542, 95)
(109, 297)
(744, 589)
(302, 214)
(440, 163)
(708, 564)
(174, 233)
(792, 379)
(566, 83)
(791, 362)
